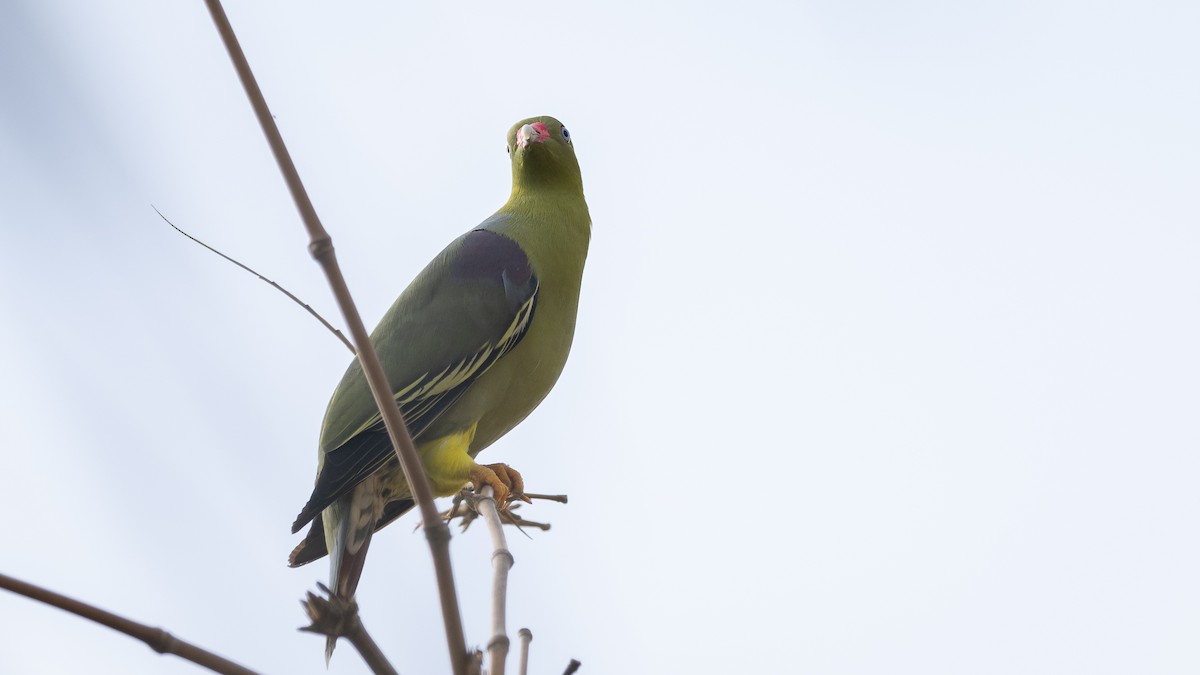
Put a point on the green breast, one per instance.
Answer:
(556, 242)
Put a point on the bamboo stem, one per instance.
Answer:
(525, 636)
(321, 246)
(502, 562)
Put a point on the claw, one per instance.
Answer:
(505, 481)
(513, 479)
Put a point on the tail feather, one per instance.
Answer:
(349, 524)
(313, 546)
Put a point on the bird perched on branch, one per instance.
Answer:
(470, 348)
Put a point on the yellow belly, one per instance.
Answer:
(447, 461)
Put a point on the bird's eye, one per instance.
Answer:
(508, 149)
(566, 135)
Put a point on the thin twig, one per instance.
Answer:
(572, 667)
(437, 533)
(502, 562)
(525, 636)
(561, 499)
(156, 638)
(279, 288)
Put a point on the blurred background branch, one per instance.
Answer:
(156, 638)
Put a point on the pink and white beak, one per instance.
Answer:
(532, 133)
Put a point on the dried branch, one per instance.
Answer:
(437, 533)
(525, 636)
(502, 562)
(572, 667)
(336, 617)
(462, 507)
(337, 333)
(156, 638)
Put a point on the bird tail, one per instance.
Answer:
(349, 523)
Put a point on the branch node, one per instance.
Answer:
(437, 532)
(506, 555)
(330, 615)
(161, 641)
(321, 248)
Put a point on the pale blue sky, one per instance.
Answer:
(886, 358)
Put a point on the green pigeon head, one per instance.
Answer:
(543, 156)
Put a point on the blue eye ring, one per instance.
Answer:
(566, 135)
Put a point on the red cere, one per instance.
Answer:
(541, 129)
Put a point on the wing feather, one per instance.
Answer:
(465, 311)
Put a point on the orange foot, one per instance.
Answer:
(505, 481)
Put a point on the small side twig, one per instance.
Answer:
(525, 636)
(502, 562)
(561, 499)
(156, 638)
(337, 333)
(462, 507)
(572, 667)
(336, 617)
